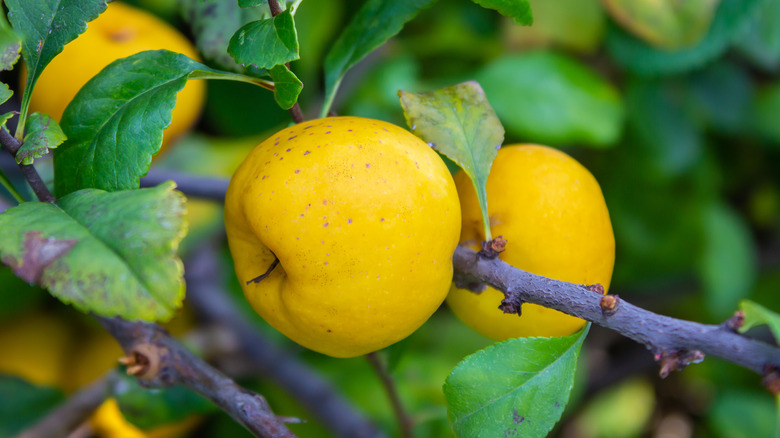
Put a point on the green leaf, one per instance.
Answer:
(375, 22)
(514, 388)
(10, 45)
(22, 404)
(266, 43)
(152, 408)
(517, 10)
(551, 99)
(635, 55)
(43, 133)
(287, 86)
(45, 27)
(756, 314)
(761, 41)
(115, 123)
(458, 122)
(251, 3)
(5, 92)
(764, 113)
(213, 23)
(728, 263)
(740, 413)
(109, 253)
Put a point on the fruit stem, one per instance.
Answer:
(267, 272)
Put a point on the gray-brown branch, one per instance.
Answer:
(159, 360)
(674, 342)
(663, 335)
(64, 419)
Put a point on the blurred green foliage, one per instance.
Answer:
(683, 136)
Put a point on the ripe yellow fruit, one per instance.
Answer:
(364, 218)
(118, 32)
(551, 211)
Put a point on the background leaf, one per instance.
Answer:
(266, 43)
(728, 264)
(109, 253)
(666, 24)
(551, 99)
(638, 57)
(375, 22)
(22, 403)
(45, 27)
(458, 122)
(517, 10)
(514, 388)
(761, 41)
(576, 25)
(43, 133)
(115, 123)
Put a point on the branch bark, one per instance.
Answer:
(64, 419)
(317, 396)
(672, 341)
(158, 360)
(668, 338)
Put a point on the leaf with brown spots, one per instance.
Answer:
(113, 254)
(459, 122)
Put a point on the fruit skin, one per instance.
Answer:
(551, 211)
(364, 218)
(118, 32)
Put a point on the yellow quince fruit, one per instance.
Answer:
(363, 217)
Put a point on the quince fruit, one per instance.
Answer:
(551, 212)
(363, 217)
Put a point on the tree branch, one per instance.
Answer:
(318, 397)
(64, 419)
(198, 186)
(12, 145)
(159, 360)
(405, 423)
(674, 342)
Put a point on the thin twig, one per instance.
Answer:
(674, 342)
(159, 360)
(64, 419)
(207, 296)
(405, 423)
(12, 145)
(197, 186)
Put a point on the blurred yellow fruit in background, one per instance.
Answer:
(118, 32)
